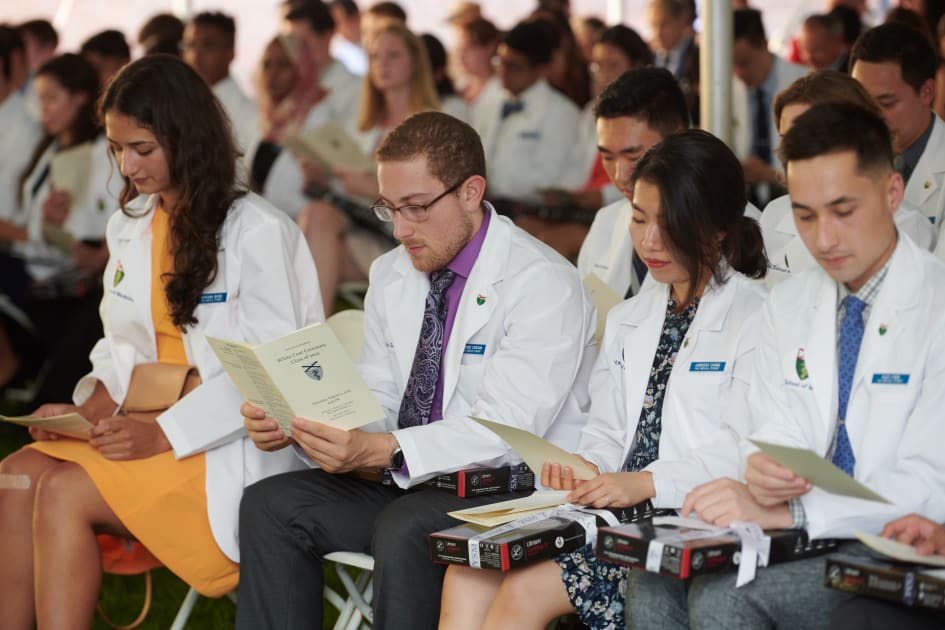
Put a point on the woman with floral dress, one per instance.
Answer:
(667, 392)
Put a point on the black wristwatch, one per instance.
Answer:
(397, 459)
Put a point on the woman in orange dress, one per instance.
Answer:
(192, 255)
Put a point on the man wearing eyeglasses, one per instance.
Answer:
(469, 316)
(529, 131)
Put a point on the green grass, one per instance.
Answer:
(123, 596)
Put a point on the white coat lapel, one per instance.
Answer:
(891, 315)
(129, 276)
(478, 301)
(927, 179)
(710, 317)
(404, 300)
(821, 353)
(639, 346)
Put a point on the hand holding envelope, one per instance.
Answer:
(535, 451)
(818, 471)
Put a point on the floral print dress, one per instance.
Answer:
(597, 588)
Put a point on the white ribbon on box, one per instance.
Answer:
(755, 544)
(586, 517)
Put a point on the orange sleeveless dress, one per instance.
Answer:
(162, 501)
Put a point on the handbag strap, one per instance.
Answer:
(145, 608)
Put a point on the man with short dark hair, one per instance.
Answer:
(760, 76)
(346, 44)
(469, 316)
(313, 25)
(674, 46)
(633, 113)
(849, 365)
(108, 52)
(821, 43)
(638, 110)
(897, 67)
(530, 131)
(209, 48)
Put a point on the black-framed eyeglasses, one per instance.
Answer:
(414, 212)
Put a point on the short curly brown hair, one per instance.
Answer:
(452, 148)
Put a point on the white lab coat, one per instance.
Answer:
(87, 219)
(531, 149)
(268, 278)
(520, 352)
(241, 110)
(705, 409)
(785, 73)
(787, 253)
(607, 249)
(285, 183)
(895, 427)
(21, 134)
(926, 188)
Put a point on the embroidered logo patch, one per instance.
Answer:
(800, 365)
(119, 275)
(480, 299)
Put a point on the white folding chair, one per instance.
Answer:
(187, 607)
(354, 607)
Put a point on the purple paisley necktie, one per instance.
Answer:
(421, 385)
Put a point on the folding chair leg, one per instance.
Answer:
(183, 614)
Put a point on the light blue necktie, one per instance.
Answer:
(425, 373)
(851, 334)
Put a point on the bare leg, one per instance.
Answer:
(69, 512)
(16, 537)
(529, 598)
(467, 595)
(323, 227)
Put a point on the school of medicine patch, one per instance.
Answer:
(800, 365)
(119, 275)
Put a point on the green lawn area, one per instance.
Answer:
(122, 596)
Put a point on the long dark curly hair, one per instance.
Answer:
(164, 95)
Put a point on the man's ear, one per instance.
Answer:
(895, 191)
(472, 191)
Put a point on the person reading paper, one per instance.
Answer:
(468, 316)
(191, 256)
(669, 388)
(849, 364)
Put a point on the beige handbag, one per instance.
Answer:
(154, 387)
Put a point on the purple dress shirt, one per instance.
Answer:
(461, 265)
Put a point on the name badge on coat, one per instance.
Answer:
(891, 379)
(213, 298)
(707, 366)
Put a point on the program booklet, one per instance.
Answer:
(331, 145)
(307, 373)
(70, 425)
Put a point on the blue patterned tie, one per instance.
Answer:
(421, 384)
(761, 142)
(851, 334)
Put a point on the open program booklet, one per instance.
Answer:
(70, 425)
(307, 373)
